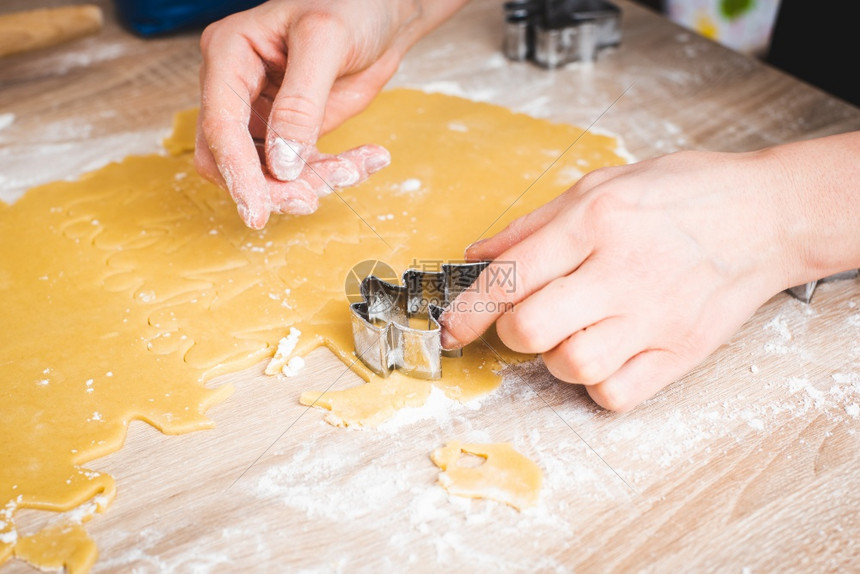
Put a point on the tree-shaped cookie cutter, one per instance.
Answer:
(388, 327)
(804, 292)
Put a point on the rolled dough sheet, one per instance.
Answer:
(504, 475)
(125, 292)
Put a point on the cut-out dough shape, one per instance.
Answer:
(124, 292)
(505, 475)
(57, 547)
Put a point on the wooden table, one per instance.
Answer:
(748, 464)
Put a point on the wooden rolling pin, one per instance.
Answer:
(33, 29)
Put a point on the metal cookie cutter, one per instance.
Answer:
(804, 292)
(555, 32)
(384, 328)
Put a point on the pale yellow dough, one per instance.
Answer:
(505, 475)
(124, 292)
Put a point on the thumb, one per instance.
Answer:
(315, 54)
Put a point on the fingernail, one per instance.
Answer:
(449, 342)
(250, 218)
(285, 158)
(344, 174)
(298, 206)
(378, 161)
(242, 208)
(474, 245)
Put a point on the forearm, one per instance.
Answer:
(821, 196)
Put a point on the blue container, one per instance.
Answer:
(155, 17)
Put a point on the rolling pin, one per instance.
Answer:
(33, 29)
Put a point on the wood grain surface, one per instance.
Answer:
(748, 464)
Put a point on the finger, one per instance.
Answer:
(563, 306)
(204, 161)
(346, 169)
(315, 55)
(491, 247)
(293, 197)
(522, 227)
(368, 158)
(550, 252)
(595, 353)
(639, 379)
(230, 82)
(262, 108)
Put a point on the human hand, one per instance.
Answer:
(637, 273)
(283, 73)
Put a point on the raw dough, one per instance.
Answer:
(56, 546)
(368, 405)
(124, 292)
(505, 475)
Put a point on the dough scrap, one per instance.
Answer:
(506, 475)
(124, 292)
(58, 546)
(369, 404)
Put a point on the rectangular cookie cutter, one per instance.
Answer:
(552, 33)
(397, 326)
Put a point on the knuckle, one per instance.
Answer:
(586, 364)
(591, 179)
(519, 332)
(517, 228)
(525, 279)
(597, 177)
(321, 22)
(571, 363)
(213, 31)
(609, 397)
(206, 36)
(297, 115)
(603, 205)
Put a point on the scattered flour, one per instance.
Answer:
(449, 88)
(568, 175)
(437, 407)
(783, 341)
(85, 511)
(537, 107)
(27, 165)
(6, 120)
(330, 482)
(145, 555)
(411, 185)
(293, 366)
(282, 362)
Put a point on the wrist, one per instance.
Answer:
(818, 199)
(420, 17)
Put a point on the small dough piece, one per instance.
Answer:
(369, 404)
(59, 546)
(506, 475)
